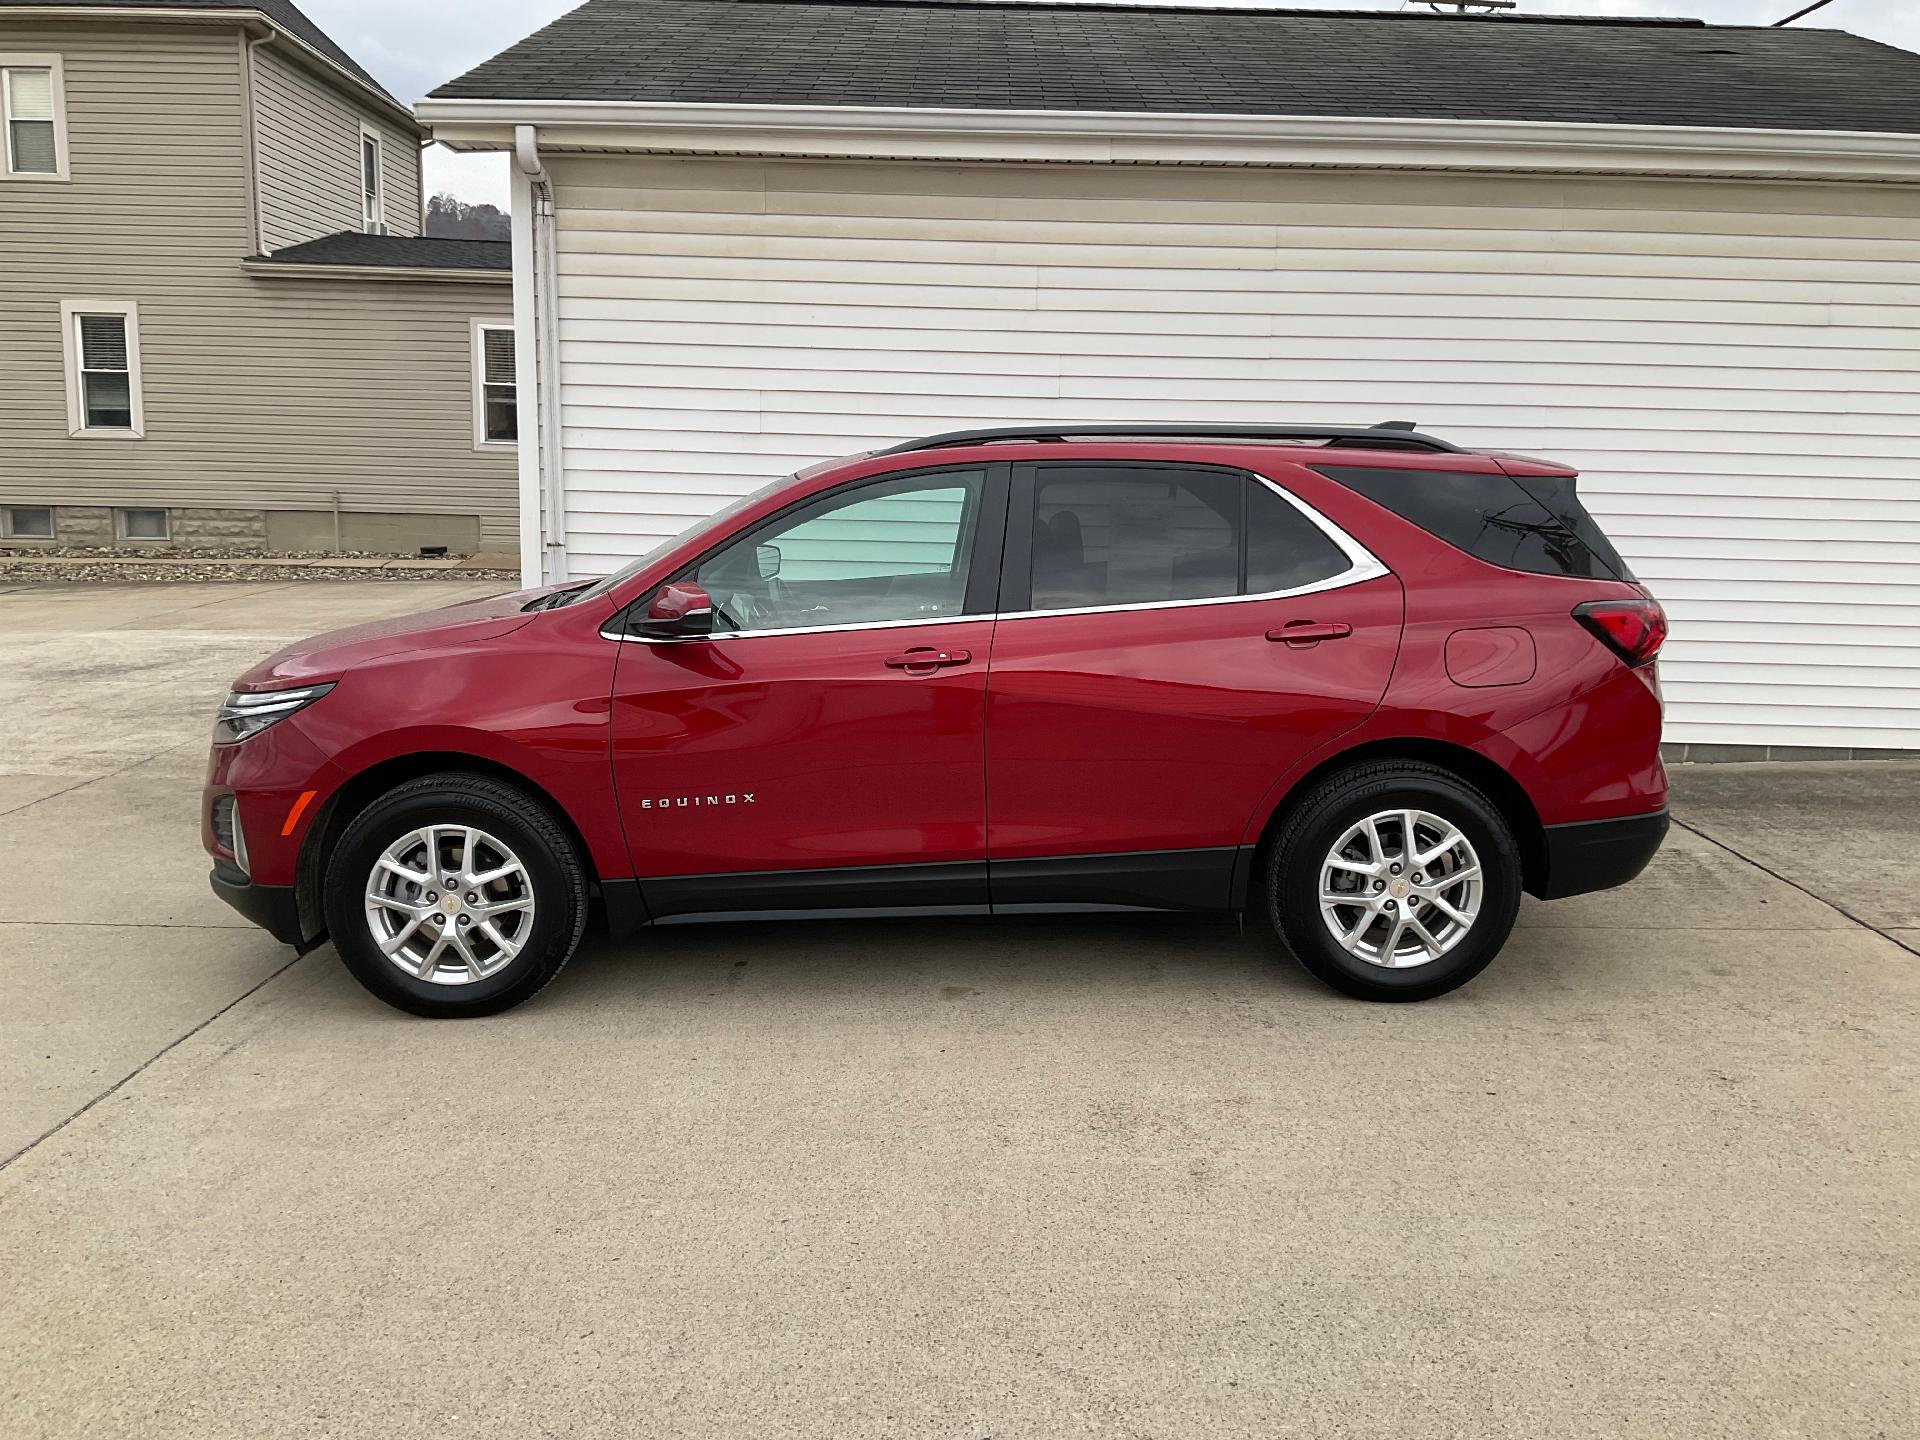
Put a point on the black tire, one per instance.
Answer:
(1322, 816)
(556, 875)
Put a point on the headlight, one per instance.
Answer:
(244, 715)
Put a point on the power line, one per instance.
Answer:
(1798, 13)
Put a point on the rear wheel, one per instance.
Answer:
(455, 895)
(1394, 881)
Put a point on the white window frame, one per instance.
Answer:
(479, 351)
(58, 82)
(70, 313)
(373, 217)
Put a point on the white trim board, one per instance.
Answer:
(1125, 137)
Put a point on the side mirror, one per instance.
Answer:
(679, 609)
(769, 558)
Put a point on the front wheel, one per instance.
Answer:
(455, 895)
(1394, 881)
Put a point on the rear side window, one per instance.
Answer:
(1534, 525)
(1144, 534)
(1285, 549)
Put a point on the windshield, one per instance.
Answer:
(699, 527)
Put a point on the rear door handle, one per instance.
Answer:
(925, 657)
(1302, 633)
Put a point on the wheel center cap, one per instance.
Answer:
(1399, 889)
(451, 904)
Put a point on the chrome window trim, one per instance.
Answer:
(1364, 566)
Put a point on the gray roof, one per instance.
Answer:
(979, 54)
(283, 13)
(396, 252)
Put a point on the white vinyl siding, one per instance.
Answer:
(33, 139)
(910, 534)
(1735, 368)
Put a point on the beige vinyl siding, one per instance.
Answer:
(259, 393)
(1734, 367)
(400, 166)
(307, 136)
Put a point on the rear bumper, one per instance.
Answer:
(1599, 854)
(274, 908)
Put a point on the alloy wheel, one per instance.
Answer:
(449, 904)
(1401, 888)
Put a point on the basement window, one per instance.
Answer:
(27, 522)
(147, 525)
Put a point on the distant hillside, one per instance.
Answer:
(451, 219)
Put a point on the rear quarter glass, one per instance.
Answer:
(1535, 524)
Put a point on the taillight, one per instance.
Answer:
(1633, 629)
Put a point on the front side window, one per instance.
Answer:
(1143, 535)
(892, 550)
(103, 374)
(29, 98)
(496, 410)
(372, 200)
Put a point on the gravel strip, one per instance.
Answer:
(70, 564)
(164, 574)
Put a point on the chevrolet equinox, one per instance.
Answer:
(1363, 682)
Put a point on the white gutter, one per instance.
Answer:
(536, 311)
(1172, 139)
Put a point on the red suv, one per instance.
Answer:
(1364, 681)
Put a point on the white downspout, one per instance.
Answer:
(255, 221)
(549, 473)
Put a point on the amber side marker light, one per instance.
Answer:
(293, 815)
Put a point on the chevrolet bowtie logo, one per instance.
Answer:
(682, 802)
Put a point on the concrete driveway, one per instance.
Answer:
(1653, 1174)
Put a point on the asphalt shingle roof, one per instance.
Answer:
(283, 13)
(976, 54)
(401, 252)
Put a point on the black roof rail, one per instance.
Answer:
(1388, 435)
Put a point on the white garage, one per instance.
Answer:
(1719, 323)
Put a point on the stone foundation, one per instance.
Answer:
(192, 527)
(205, 529)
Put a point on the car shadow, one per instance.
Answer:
(849, 966)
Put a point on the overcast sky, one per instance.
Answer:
(413, 45)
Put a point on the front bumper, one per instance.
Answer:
(1600, 854)
(274, 908)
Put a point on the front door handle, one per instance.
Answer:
(1302, 633)
(925, 657)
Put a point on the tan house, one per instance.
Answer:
(219, 321)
